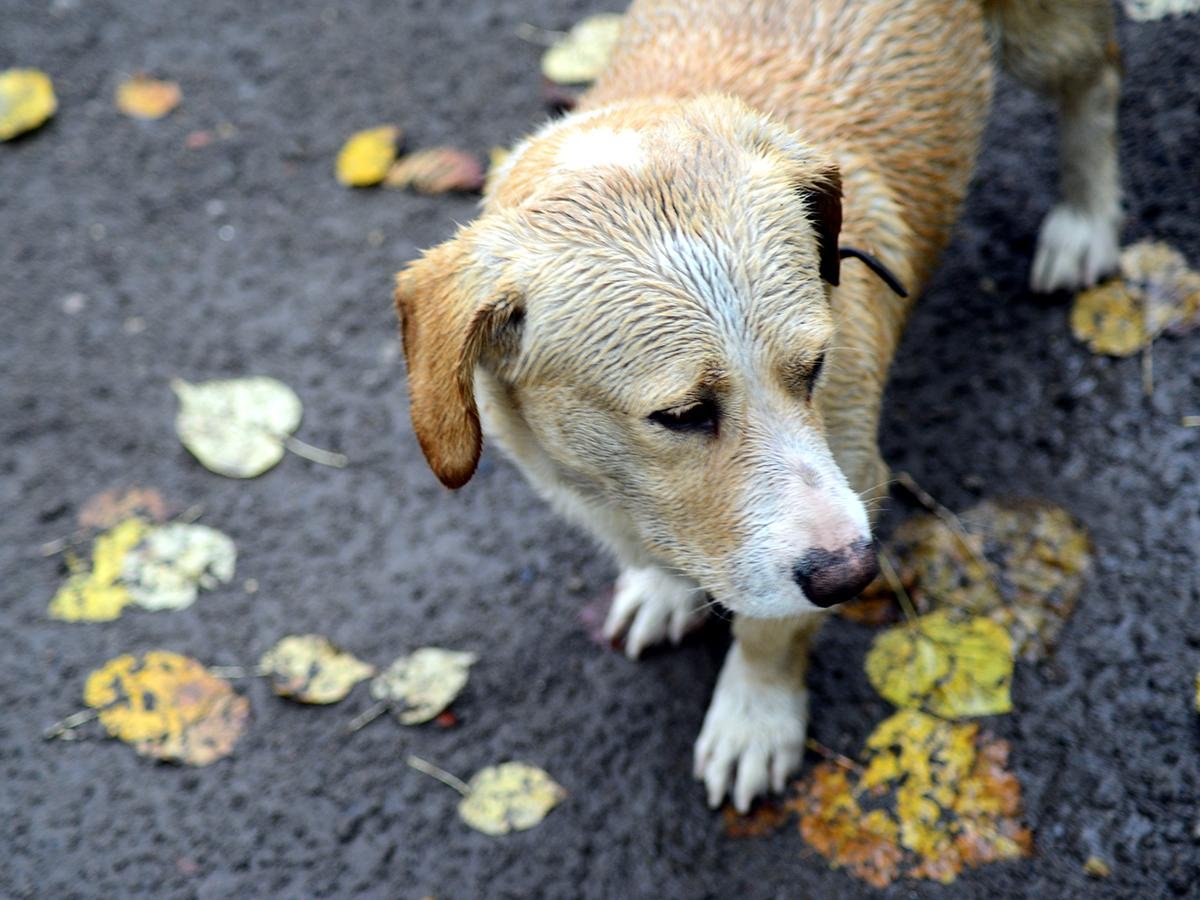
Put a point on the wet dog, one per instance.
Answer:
(656, 318)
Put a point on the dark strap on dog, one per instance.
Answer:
(884, 273)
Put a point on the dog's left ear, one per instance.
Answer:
(822, 191)
(452, 303)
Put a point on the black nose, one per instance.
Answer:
(831, 576)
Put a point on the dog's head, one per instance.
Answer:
(649, 287)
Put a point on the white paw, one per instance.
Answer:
(1075, 249)
(753, 735)
(649, 606)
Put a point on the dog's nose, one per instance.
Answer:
(831, 576)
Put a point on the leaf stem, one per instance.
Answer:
(833, 756)
(897, 586)
(239, 671)
(62, 728)
(315, 454)
(440, 774)
(365, 718)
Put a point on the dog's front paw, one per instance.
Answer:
(753, 735)
(649, 606)
(1075, 249)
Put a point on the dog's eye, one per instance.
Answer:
(814, 375)
(701, 417)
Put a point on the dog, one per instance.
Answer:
(661, 317)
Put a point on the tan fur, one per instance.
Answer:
(672, 243)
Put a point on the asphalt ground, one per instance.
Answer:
(244, 256)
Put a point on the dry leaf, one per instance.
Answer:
(26, 101)
(172, 562)
(1149, 10)
(236, 426)
(421, 685)
(168, 707)
(764, 819)
(512, 796)
(1156, 293)
(1022, 564)
(143, 97)
(367, 155)
(932, 798)
(1095, 867)
(436, 171)
(98, 594)
(109, 507)
(946, 663)
(583, 52)
(310, 669)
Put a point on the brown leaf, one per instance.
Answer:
(107, 508)
(437, 170)
(764, 819)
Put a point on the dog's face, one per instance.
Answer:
(652, 301)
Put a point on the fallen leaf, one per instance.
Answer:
(109, 507)
(421, 685)
(437, 170)
(1149, 10)
(1156, 293)
(143, 97)
(766, 818)
(168, 707)
(931, 798)
(509, 797)
(1022, 564)
(949, 664)
(172, 562)
(583, 52)
(26, 101)
(1095, 867)
(367, 155)
(446, 719)
(874, 606)
(236, 426)
(98, 594)
(310, 669)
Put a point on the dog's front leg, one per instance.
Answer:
(651, 605)
(754, 731)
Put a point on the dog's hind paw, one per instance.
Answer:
(1075, 249)
(651, 605)
(753, 735)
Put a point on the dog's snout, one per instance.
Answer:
(832, 576)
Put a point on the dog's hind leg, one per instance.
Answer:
(1067, 50)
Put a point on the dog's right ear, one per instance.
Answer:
(451, 304)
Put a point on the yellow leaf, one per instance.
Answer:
(367, 155)
(1149, 10)
(26, 101)
(1156, 293)
(98, 595)
(167, 706)
(143, 97)
(941, 800)
(1022, 565)
(436, 171)
(423, 684)
(512, 796)
(310, 669)
(172, 562)
(584, 52)
(236, 426)
(949, 665)
(1095, 867)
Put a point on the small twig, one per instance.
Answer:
(1148, 368)
(531, 34)
(441, 775)
(1191, 421)
(191, 514)
(952, 521)
(365, 718)
(63, 728)
(54, 547)
(897, 586)
(833, 756)
(316, 454)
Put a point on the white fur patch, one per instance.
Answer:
(598, 147)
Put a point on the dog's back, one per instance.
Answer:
(904, 83)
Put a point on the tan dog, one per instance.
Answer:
(651, 317)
